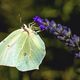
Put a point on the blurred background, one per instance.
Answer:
(59, 62)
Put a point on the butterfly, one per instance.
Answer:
(23, 49)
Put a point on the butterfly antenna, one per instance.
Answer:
(31, 24)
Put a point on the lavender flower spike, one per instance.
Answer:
(40, 22)
(63, 33)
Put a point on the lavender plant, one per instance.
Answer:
(63, 33)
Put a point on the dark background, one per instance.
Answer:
(59, 63)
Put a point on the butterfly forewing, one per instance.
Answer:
(10, 48)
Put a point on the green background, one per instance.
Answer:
(59, 63)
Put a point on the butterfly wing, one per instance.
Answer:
(10, 47)
(32, 54)
(22, 50)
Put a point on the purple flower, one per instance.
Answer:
(77, 55)
(59, 28)
(47, 22)
(42, 27)
(66, 31)
(44, 24)
(61, 37)
(63, 33)
(38, 20)
(53, 24)
(75, 39)
(71, 43)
